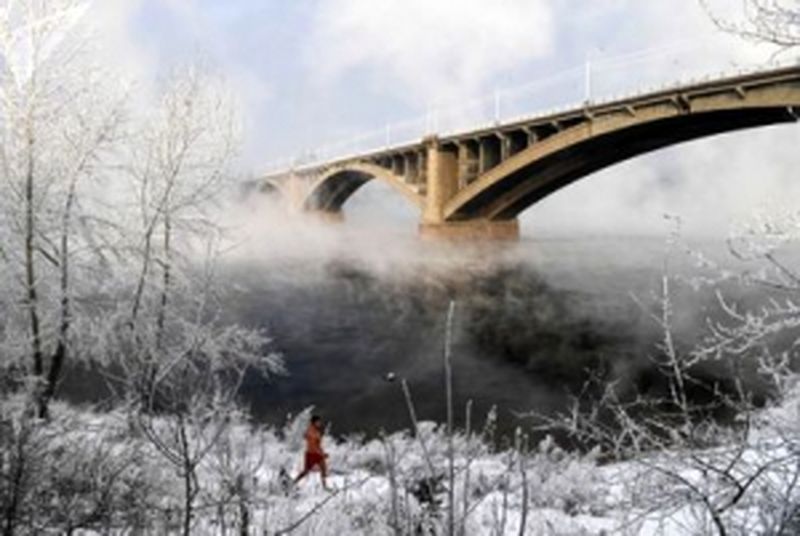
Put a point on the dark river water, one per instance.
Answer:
(531, 321)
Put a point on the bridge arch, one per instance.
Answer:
(273, 187)
(334, 187)
(545, 167)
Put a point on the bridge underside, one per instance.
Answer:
(332, 194)
(533, 182)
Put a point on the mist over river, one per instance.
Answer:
(346, 305)
(531, 320)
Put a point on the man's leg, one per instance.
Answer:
(323, 472)
(306, 469)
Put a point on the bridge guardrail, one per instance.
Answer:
(500, 108)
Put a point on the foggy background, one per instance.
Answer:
(345, 304)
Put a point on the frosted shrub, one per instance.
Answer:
(70, 473)
(369, 457)
(566, 481)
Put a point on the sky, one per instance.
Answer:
(316, 72)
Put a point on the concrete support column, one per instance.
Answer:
(483, 157)
(533, 137)
(441, 178)
(295, 192)
(467, 163)
(422, 170)
(399, 165)
(463, 165)
(505, 146)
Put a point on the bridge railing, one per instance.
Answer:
(599, 80)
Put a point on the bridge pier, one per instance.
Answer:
(471, 230)
(326, 216)
(445, 166)
(441, 176)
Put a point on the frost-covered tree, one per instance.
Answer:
(60, 115)
(776, 22)
(178, 170)
(707, 463)
(167, 346)
(110, 251)
(171, 177)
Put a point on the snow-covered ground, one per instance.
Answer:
(98, 473)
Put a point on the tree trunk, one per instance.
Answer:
(32, 294)
(11, 510)
(188, 501)
(60, 354)
(165, 282)
(188, 477)
(53, 375)
(244, 510)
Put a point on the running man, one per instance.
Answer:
(315, 456)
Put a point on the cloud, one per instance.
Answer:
(428, 51)
(712, 183)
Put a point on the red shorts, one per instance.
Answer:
(314, 459)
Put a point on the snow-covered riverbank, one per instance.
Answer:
(93, 473)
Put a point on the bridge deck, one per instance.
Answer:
(476, 182)
(566, 116)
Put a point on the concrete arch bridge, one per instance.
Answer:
(473, 184)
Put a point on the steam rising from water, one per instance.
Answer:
(346, 304)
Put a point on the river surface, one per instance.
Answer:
(531, 321)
